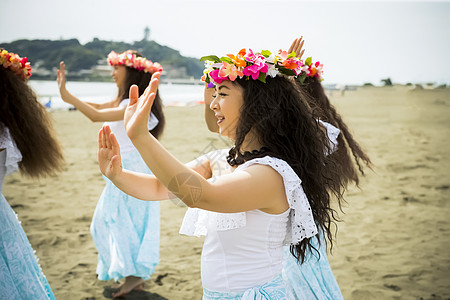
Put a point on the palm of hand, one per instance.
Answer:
(104, 159)
(138, 109)
(109, 154)
(61, 76)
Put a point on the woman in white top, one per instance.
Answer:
(125, 230)
(276, 193)
(314, 278)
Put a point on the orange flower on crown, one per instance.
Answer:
(290, 63)
(239, 60)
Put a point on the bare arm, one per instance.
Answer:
(108, 104)
(142, 186)
(90, 111)
(257, 187)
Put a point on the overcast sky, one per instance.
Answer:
(358, 41)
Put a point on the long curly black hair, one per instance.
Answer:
(347, 145)
(287, 128)
(30, 126)
(142, 79)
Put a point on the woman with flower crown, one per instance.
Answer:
(125, 230)
(27, 143)
(313, 279)
(277, 193)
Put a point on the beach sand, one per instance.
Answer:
(393, 242)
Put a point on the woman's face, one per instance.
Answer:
(226, 106)
(118, 74)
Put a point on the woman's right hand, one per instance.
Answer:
(61, 76)
(139, 108)
(109, 159)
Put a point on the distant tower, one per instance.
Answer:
(146, 33)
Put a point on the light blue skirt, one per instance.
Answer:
(314, 278)
(126, 230)
(21, 276)
(273, 290)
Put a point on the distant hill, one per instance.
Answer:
(81, 60)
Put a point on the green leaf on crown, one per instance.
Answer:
(292, 54)
(266, 53)
(302, 77)
(226, 59)
(213, 58)
(262, 77)
(285, 71)
(308, 61)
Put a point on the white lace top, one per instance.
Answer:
(118, 127)
(301, 222)
(10, 156)
(242, 250)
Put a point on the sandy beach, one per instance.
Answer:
(393, 242)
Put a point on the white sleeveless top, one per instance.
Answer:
(243, 250)
(10, 156)
(118, 127)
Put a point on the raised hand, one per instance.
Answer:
(138, 109)
(108, 153)
(61, 76)
(297, 46)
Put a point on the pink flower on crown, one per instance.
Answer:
(254, 58)
(317, 70)
(214, 74)
(254, 70)
(130, 60)
(259, 65)
(230, 71)
(283, 55)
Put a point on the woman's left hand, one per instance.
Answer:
(109, 159)
(139, 108)
(297, 46)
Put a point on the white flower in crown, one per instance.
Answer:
(208, 67)
(272, 58)
(272, 72)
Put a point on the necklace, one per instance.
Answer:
(235, 158)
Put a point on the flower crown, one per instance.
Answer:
(129, 59)
(257, 66)
(15, 63)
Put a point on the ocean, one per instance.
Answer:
(99, 92)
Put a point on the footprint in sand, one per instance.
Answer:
(159, 279)
(393, 287)
(442, 187)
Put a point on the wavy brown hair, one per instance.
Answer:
(30, 127)
(142, 79)
(284, 122)
(347, 145)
